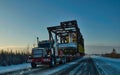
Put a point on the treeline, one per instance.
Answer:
(13, 57)
(113, 54)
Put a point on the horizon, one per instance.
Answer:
(89, 49)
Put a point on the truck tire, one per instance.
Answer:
(64, 60)
(33, 65)
(60, 62)
(52, 63)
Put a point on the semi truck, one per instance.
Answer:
(65, 43)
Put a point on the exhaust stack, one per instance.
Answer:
(37, 40)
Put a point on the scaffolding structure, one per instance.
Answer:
(67, 35)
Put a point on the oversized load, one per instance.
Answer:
(68, 35)
(65, 43)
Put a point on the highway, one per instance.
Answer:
(82, 66)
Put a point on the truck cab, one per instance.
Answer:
(41, 54)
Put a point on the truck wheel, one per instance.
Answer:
(33, 65)
(62, 61)
(52, 63)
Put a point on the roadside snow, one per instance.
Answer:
(4, 69)
(107, 66)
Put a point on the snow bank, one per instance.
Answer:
(4, 69)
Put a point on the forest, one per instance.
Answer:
(13, 57)
(113, 54)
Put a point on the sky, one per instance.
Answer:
(21, 21)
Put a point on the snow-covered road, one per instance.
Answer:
(88, 65)
(107, 66)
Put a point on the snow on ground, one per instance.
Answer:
(59, 68)
(4, 69)
(107, 66)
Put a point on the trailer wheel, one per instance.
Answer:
(33, 65)
(64, 60)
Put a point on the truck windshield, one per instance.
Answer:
(44, 45)
(37, 52)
